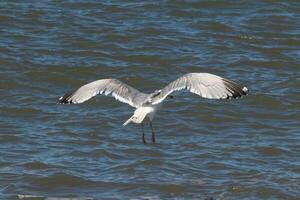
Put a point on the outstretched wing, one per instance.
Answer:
(204, 84)
(113, 87)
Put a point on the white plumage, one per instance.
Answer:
(203, 84)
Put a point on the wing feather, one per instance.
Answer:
(113, 87)
(205, 85)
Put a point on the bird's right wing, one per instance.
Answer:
(113, 87)
(204, 84)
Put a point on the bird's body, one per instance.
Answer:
(204, 84)
(142, 112)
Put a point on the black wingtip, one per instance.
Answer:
(235, 89)
(66, 99)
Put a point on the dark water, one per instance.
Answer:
(243, 149)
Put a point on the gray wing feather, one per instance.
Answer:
(113, 87)
(204, 84)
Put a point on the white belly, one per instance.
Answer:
(153, 110)
(141, 113)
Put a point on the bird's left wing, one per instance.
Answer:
(113, 87)
(204, 84)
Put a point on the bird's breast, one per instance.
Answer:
(146, 109)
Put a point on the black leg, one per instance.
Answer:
(143, 136)
(153, 134)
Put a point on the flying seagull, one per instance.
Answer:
(203, 84)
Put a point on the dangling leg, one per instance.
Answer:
(153, 134)
(143, 136)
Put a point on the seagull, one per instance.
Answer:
(206, 85)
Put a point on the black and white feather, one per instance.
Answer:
(113, 87)
(205, 85)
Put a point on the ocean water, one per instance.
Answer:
(206, 149)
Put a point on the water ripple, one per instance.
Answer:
(245, 149)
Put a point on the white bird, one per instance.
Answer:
(203, 84)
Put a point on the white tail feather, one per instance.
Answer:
(139, 115)
(127, 122)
